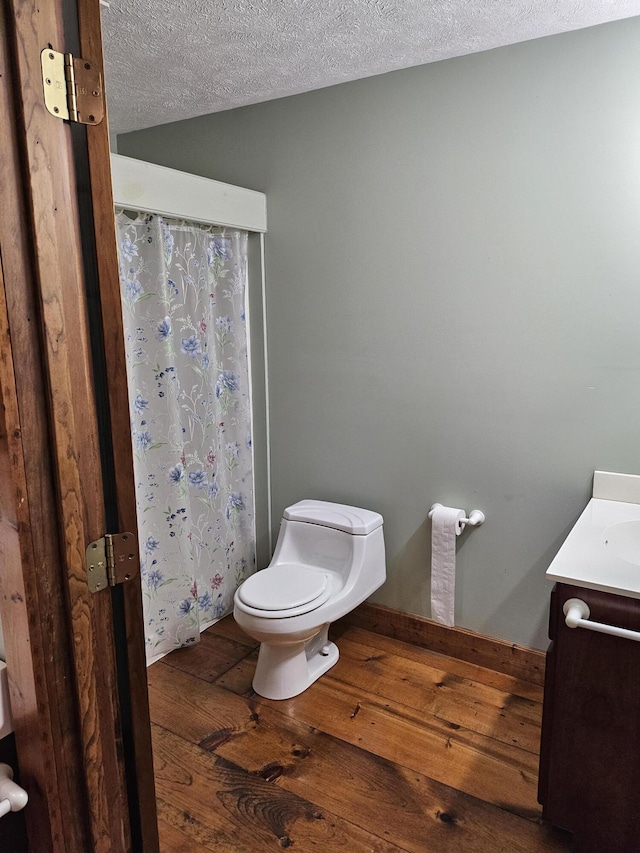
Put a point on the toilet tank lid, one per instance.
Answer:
(350, 519)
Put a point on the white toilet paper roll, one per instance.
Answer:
(445, 526)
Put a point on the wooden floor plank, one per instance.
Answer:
(472, 763)
(209, 658)
(172, 840)
(383, 746)
(176, 697)
(501, 655)
(464, 760)
(470, 704)
(200, 835)
(416, 812)
(454, 666)
(239, 678)
(229, 629)
(239, 811)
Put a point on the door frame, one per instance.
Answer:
(84, 756)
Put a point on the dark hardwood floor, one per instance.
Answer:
(395, 748)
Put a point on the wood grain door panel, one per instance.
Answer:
(69, 724)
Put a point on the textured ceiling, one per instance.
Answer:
(182, 58)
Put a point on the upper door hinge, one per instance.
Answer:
(73, 88)
(112, 560)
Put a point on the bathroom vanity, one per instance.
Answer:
(590, 753)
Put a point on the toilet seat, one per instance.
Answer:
(285, 589)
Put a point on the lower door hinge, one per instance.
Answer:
(73, 88)
(112, 560)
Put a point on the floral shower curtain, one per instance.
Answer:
(183, 288)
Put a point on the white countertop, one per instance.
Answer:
(585, 559)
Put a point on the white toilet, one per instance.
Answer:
(329, 558)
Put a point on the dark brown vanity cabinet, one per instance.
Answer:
(13, 830)
(590, 751)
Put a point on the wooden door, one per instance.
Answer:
(75, 659)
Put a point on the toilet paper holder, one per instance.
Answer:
(475, 519)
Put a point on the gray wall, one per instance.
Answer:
(453, 267)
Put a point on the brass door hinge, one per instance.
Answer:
(73, 88)
(112, 560)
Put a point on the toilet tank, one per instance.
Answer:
(319, 533)
(349, 519)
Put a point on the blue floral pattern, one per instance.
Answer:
(183, 291)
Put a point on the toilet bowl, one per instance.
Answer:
(328, 559)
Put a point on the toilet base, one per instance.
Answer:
(284, 671)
